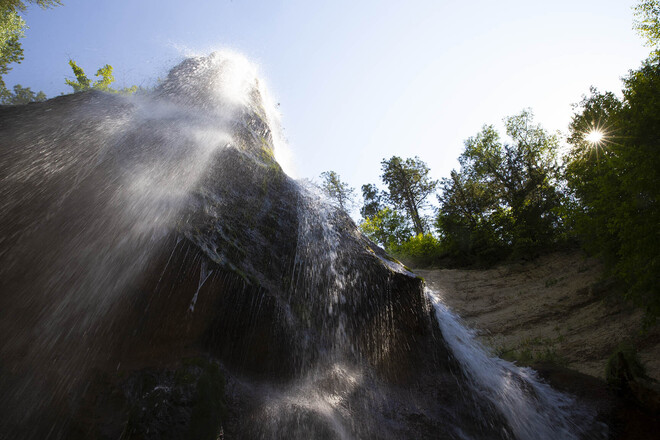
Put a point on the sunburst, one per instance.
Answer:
(595, 136)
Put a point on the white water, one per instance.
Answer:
(532, 408)
(157, 187)
(204, 274)
(318, 402)
(240, 78)
(119, 185)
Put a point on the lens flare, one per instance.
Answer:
(595, 136)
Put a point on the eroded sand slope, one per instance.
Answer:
(553, 308)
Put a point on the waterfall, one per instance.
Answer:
(319, 403)
(86, 203)
(531, 407)
(138, 231)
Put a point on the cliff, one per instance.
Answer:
(163, 278)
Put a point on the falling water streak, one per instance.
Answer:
(204, 274)
(174, 248)
(81, 278)
(155, 187)
(316, 261)
(315, 404)
(532, 408)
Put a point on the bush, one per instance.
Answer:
(623, 366)
(420, 251)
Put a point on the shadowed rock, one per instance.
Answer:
(138, 233)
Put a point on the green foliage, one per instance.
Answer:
(337, 190)
(373, 200)
(647, 23)
(387, 228)
(616, 183)
(22, 95)
(531, 351)
(419, 250)
(469, 221)
(382, 224)
(82, 82)
(512, 198)
(623, 366)
(12, 29)
(392, 219)
(505, 197)
(20, 5)
(590, 175)
(409, 185)
(105, 76)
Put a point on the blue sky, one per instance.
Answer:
(358, 81)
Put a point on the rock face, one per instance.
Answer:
(162, 277)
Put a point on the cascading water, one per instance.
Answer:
(137, 232)
(532, 408)
(84, 208)
(322, 403)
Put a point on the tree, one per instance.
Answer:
(373, 200)
(469, 219)
(383, 224)
(337, 190)
(20, 5)
(387, 228)
(647, 23)
(505, 195)
(591, 177)
(22, 95)
(12, 29)
(105, 76)
(409, 186)
(616, 182)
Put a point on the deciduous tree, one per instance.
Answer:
(505, 195)
(12, 29)
(615, 179)
(20, 5)
(647, 22)
(387, 228)
(22, 95)
(468, 219)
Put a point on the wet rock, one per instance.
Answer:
(140, 230)
(137, 232)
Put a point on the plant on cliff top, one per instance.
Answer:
(106, 78)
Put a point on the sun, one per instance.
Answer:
(595, 136)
